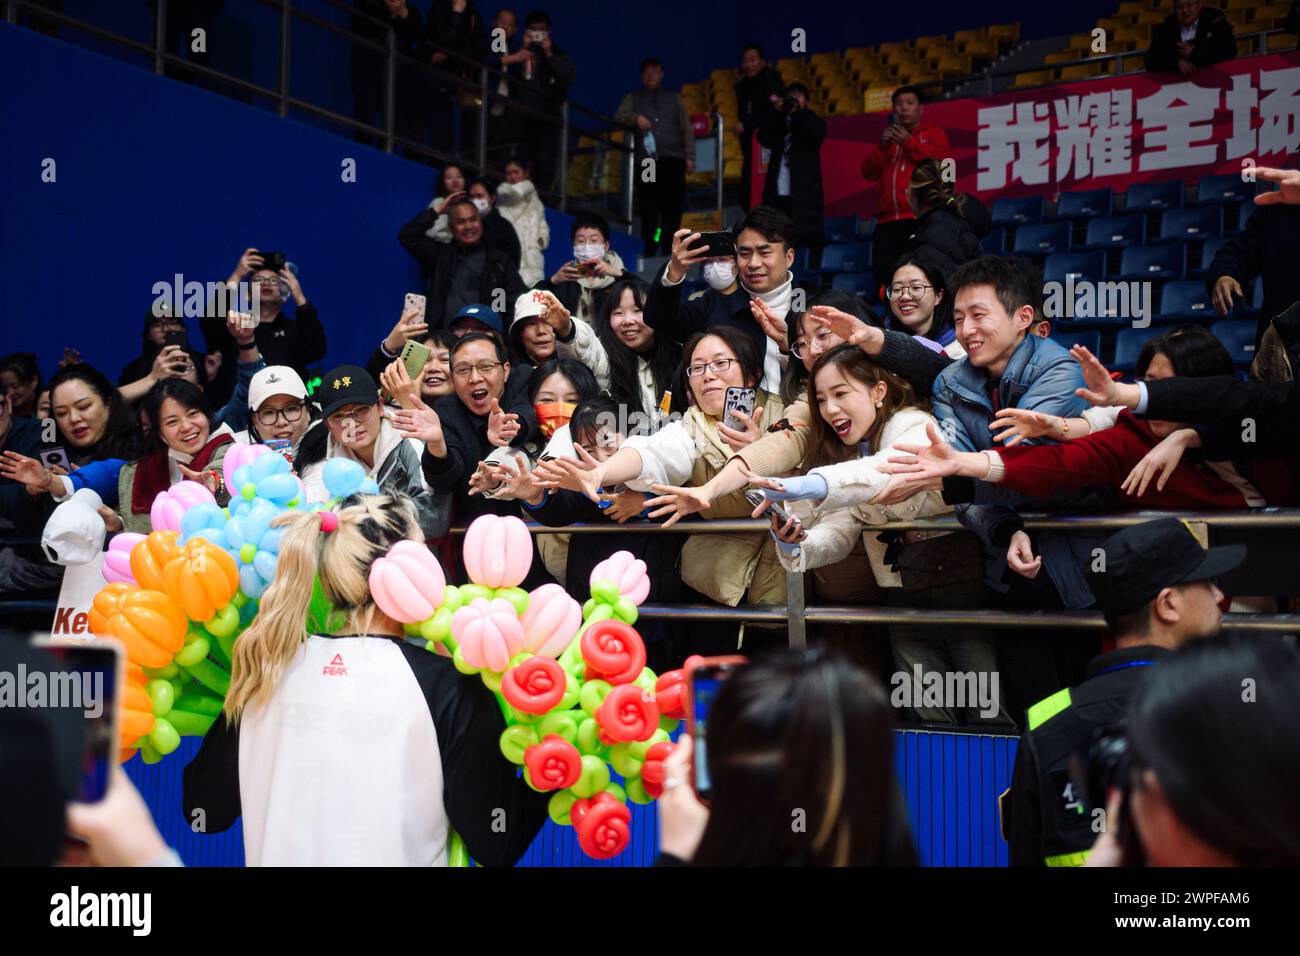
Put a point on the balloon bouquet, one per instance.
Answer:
(571, 679)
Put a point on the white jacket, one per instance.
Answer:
(519, 205)
(586, 348)
(846, 514)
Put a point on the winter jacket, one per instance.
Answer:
(297, 341)
(802, 134)
(722, 566)
(784, 442)
(132, 507)
(1263, 251)
(669, 122)
(846, 514)
(890, 168)
(1214, 42)
(496, 232)
(438, 260)
(396, 470)
(753, 100)
(946, 235)
(585, 298)
(583, 346)
(519, 205)
(1277, 358)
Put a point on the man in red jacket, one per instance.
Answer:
(905, 142)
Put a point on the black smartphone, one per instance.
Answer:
(705, 679)
(98, 672)
(179, 338)
(719, 244)
(55, 457)
(272, 260)
(738, 399)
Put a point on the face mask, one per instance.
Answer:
(482, 205)
(588, 250)
(551, 415)
(720, 274)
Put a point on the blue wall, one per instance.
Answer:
(156, 177)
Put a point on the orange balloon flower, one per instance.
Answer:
(149, 623)
(202, 579)
(150, 557)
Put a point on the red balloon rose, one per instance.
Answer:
(534, 686)
(614, 652)
(553, 764)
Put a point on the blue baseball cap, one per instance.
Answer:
(481, 313)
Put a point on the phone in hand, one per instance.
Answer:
(415, 355)
(414, 301)
(718, 245)
(738, 400)
(585, 269)
(179, 338)
(55, 457)
(99, 670)
(704, 680)
(756, 498)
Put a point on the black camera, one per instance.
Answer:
(1104, 766)
(272, 260)
(790, 103)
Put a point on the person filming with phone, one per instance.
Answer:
(297, 341)
(794, 134)
(792, 731)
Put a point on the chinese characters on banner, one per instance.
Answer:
(1112, 131)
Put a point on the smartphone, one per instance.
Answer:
(719, 244)
(414, 357)
(585, 269)
(756, 498)
(414, 301)
(282, 445)
(738, 400)
(179, 338)
(55, 458)
(99, 669)
(704, 680)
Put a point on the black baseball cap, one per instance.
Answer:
(1144, 559)
(347, 385)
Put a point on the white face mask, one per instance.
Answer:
(720, 274)
(482, 205)
(588, 250)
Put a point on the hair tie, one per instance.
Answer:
(329, 521)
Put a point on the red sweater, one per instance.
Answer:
(1105, 458)
(890, 168)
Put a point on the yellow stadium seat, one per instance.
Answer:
(1140, 35)
(953, 65)
(1081, 42)
(887, 48)
(1034, 78)
(1273, 14)
(1246, 46)
(1281, 41)
(1151, 18)
(1131, 64)
(1080, 71)
(1007, 34)
(961, 36)
(1238, 19)
(1063, 57)
(985, 48)
(1132, 8)
(817, 58)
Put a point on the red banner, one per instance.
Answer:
(1087, 135)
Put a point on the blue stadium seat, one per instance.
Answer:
(1184, 299)
(803, 261)
(1209, 251)
(866, 228)
(1081, 265)
(1199, 222)
(1041, 239)
(1128, 346)
(1084, 204)
(1154, 262)
(995, 243)
(1091, 340)
(844, 257)
(841, 228)
(1244, 212)
(859, 283)
(1223, 189)
(1148, 197)
(1011, 211)
(1238, 337)
(1114, 232)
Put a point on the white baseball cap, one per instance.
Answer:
(275, 380)
(75, 532)
(530, 304)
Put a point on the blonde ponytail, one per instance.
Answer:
(367, 527)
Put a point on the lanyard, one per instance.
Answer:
(1120, 667)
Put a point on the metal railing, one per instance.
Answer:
(795, 614)
(469, 79)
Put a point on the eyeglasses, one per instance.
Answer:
(915, 290)
(717, 366)
(355, 414)
(819, 339)
(484, 369)
(290, 413)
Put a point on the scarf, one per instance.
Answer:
(153, 475)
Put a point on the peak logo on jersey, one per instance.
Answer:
(335, 668)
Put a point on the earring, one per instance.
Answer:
(878, 404)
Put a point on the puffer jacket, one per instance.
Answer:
(846, 514)
(396, 470)
(520, 206)
(722, 566)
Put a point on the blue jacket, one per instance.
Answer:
(1042, 376)
(234, 413)
(100, 477)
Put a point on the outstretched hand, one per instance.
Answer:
(503, 426)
